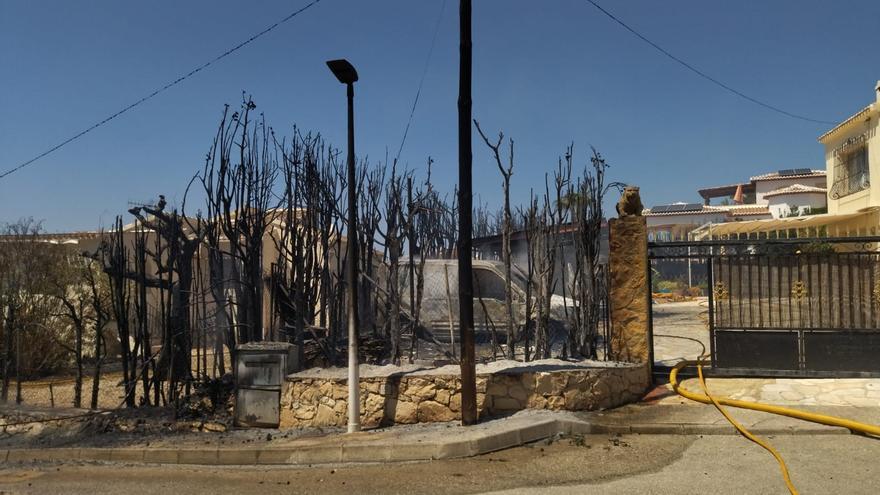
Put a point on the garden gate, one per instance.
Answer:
(788, 307)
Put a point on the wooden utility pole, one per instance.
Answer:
(465, 210)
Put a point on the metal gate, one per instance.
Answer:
(787, 307)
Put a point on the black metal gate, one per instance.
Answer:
(787, 307)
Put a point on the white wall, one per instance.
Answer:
(763, 186)
(780, 205)
(686, 219)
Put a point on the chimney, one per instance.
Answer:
(738, 196)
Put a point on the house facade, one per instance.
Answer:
(790, 182)
(275, 258)
(490, 248)
(796, 200)
(675, 221)
(852, 157)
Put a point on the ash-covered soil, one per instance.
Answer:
(142, 426)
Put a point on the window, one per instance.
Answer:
(488, 285)
(851, 173)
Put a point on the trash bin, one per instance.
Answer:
(260, 368)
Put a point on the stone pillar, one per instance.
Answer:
(630, 298)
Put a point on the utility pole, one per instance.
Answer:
(465, 210)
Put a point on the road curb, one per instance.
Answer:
(383, 450)
(467, 444)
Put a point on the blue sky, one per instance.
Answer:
(547, 73)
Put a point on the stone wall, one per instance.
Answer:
(435, 395)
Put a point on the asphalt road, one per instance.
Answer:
(592, 464)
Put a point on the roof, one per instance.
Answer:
(857, 117)
(53, 238)
(728, 190)
(516, 235)
(796, 189)
(745, 210)
(780, 175)
(853, 221)
(702, 210)
(749, 187)
(728, 210)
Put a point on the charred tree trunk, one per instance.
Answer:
(506, 231)
(8, 335)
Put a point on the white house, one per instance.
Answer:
(774, 182)
(796, 200)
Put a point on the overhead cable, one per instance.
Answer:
(703, 74)
(160, 90)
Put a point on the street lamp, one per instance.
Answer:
(345, 72)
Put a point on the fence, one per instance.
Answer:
(783, 307)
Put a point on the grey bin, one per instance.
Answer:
(260, 368)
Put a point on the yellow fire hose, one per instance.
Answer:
(707, 398)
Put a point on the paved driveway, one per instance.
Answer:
(680, 331)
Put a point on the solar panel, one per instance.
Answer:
(803, 171)
(787, 172)
(677, 208)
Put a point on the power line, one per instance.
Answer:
(422, 81)
(160, 90)
(704, 75)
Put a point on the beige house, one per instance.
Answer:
(852, 157)
(275, 250)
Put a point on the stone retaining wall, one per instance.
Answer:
(435, 395)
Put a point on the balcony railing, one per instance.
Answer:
(849, 185)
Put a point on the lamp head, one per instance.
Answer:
(343, 70)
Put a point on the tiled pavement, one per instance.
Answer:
(681, 333)
(855, 392)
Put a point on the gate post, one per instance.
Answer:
(630, 291)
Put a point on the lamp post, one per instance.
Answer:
(345, 72)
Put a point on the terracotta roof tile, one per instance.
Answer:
(775, 175)
(796, 189)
